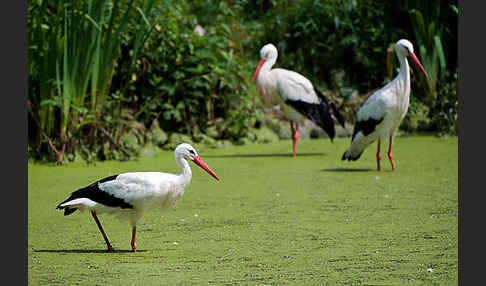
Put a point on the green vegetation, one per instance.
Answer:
(74, 46)
(102, 71)
(272, 220)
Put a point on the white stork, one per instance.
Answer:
(130, 195)
(295, 95)
(381, 114)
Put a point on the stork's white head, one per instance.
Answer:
(404, 48)
(269, 54)
(188, 152)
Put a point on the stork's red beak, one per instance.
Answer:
(260, 64)
(203, 165)
(414, 58)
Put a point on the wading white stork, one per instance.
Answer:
(381, 114)
(130, 195)
(295, 95)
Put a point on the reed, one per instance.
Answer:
(73, 49)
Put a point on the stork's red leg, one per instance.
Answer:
(295, 137)
(293, 134)
(102, 231)
(378, 155)
(133, 243)
(390, 153)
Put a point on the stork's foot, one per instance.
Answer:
(378, 162)
(133, 243)
(378, 156)
(294, 147)
(95, 217)
(390, 156)
(295, 137)
(390, 153)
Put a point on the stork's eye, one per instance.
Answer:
(192, 152)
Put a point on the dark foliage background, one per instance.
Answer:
(107, 76)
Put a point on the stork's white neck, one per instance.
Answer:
(267, 66)
(186, 173)
(264, 79)
(401, 86)
(401, 82)
(404, 73)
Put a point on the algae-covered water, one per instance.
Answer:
(272, 220)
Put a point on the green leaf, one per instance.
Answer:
(93, 22)
(440, 52)
(454, 8)
(143, 16)
(418, 25)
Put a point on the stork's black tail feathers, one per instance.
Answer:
(323, 113)
(331, 108)
(337, 115)
(94, 193)
(348, 156)
(67, 211)
(328, 113)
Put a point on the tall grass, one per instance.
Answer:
(430, 33)
(78, 60)
(108, 54)
(73, 49)
(430, 50)
(45, 51)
